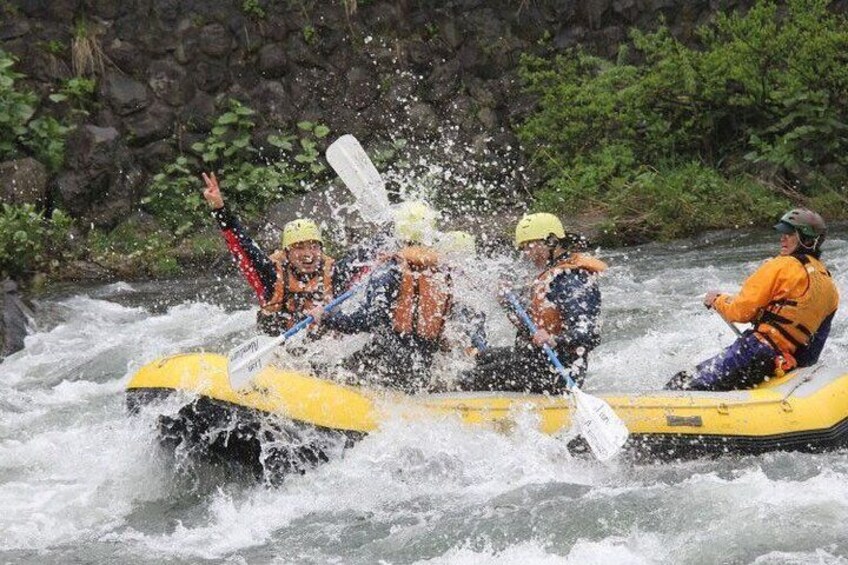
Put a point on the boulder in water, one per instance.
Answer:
(15, 320)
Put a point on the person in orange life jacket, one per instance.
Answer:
(290, 281)
(407, 302)
(790, 300)
(457, 249)
(564, 304)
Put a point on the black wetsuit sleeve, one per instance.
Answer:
(253, 263)
(578, 299)
(355, 264)
(375, 310)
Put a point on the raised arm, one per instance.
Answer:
(253, 263)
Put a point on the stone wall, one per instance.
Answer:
(368, 68)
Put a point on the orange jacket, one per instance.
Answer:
(787, 299)
(543, 312)
(424, 297)
(294, 295)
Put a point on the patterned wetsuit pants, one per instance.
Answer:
(745, 363)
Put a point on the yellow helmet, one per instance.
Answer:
(457, 243)
(415, 222)
(302, 229)
(533, 227)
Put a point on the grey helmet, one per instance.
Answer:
(810, 226)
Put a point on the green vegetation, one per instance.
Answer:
(54, 46)
(29, 242)
(309, 34)
(139, 248)
(78, 92)
(690, 139)
(20, 132)
(253, 8)
(251, 178)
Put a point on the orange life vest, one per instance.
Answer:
(789, 324)
(543, 312)
(294, 295)
(424, 298)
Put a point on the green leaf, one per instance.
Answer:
(284, 143)
(305, 126)
(228, 118)
(56, 97)
(321, 131)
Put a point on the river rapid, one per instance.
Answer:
(82, 482)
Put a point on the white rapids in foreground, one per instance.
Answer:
(83, 482)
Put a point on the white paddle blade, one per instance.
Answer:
(246, 359)
(351, 163)
(603, 430)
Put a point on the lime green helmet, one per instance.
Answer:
(534, 227)
(299, 230)
(807, 223)
(415, 222)
(457, 243)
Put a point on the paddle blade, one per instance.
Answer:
(603, 430)
(351, 163)
(246, 359)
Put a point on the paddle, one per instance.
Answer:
(245, 360)
(347, 157)
(730, 324)
(603, 429)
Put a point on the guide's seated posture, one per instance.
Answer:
(790, 301)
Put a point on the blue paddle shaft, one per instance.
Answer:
(309, 319)
(552, 356)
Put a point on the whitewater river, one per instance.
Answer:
(81, 482)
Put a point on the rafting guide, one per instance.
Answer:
(790, 302)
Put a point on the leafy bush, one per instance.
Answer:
(250, 178)
(44, 136)
(764, 96)
(133, 249)
(28, 241)
(16, 107)
(78, 92)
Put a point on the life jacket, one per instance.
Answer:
(293, 295)
(424, 298)
(789, 324)
(543, 312)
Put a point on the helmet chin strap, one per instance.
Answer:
(813, 245)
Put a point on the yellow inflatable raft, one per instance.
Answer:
(305, 418)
